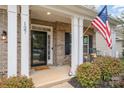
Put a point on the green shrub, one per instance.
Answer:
(115, 67)
(109, 67)
(88, 74)
(122, 67)
(16, 82)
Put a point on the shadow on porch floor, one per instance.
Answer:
(50, 77)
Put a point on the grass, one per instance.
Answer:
(122, 59)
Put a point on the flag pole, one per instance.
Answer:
(87, 29)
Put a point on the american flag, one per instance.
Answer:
(102, 25)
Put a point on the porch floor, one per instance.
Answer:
(50, 77)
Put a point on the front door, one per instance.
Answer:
(39, 48)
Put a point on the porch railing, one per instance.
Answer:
(94, 53)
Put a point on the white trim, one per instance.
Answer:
(113, 34)
(80, 36)
(49, 30)
(12, 40)
(77, 44)
(74, 49)
(25, 35)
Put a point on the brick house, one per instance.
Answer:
(47, 35)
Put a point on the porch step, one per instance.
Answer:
(53, 83)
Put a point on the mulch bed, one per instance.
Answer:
(74, 83)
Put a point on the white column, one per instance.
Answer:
(12, 40)
(80, 36)
(113, 44)
(25, 57)
(74, 50)
(77, 43)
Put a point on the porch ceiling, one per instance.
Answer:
(40, 13)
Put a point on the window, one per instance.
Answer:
(67, 43)
(86, 45)
(91, 50)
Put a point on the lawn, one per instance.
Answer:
(122, 59)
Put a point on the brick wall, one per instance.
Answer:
(61, 28)
(3, 44)
(19, 45)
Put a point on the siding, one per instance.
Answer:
(101, 45)
(119, 48)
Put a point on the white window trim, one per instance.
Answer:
(49, 61)
(87, 44)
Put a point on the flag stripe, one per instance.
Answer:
(108, 28)
(100, 25)
(101, 22)
(99, 29)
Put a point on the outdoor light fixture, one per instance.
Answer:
(48, 13)
(4, 35)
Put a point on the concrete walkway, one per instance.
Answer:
(63, 85)
(51, 77)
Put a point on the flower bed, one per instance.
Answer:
(88, 74)
(101, 72)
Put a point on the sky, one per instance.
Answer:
(113, 10)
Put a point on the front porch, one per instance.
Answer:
(52, 76)
(63, 29)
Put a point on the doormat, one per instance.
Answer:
(40, 68)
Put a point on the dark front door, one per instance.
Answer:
(39, 48)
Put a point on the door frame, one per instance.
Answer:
(49, 30)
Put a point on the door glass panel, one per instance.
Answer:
(39, 48)
(48, 46)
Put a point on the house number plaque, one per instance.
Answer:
(25, 27)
